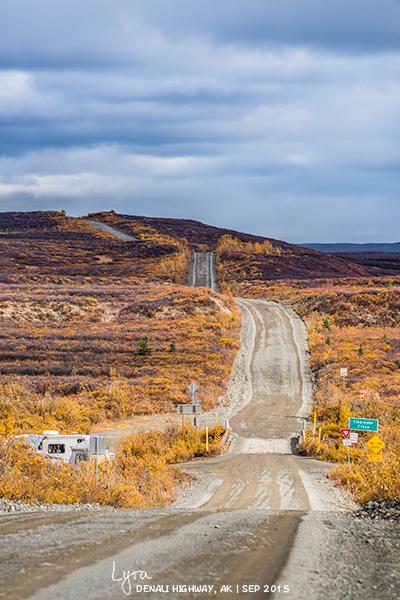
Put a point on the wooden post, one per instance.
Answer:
(206, 439)
(315, 422)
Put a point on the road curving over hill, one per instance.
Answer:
(257, 516)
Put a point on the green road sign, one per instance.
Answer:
(359, 424)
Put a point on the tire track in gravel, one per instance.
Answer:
(242, 520)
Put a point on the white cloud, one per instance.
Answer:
(19, 97)
(235, 112)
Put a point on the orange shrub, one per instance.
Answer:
(139, 477)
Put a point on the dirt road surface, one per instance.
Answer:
(202, 271)
(126, 237)
(258, 516)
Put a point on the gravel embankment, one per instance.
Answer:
(16, 506)
(344, 555)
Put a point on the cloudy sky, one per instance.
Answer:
(276, 117)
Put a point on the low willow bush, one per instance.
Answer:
(142, 474)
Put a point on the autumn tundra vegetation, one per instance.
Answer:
(95, 329)
(50, 247)
(74, 356)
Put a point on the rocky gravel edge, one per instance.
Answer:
(386, 510)
(239, 389)
(16, 506)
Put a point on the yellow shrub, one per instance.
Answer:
(141, 476)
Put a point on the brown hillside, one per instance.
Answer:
(55, 248)
(244, 261)
(385, 262)
(50, 246)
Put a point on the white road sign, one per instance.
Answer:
(346, 442)
(190, 409)
(353, 437)
(193, 388)
(344, 372)
(97, 445)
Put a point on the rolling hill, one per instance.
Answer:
(284, 260)
(53, 247)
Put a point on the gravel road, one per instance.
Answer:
(258, 516)
(202, 272)
(126, 237)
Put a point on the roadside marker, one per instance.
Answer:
(193, 389)
(374, 447)
(206, 439)
(375, 444)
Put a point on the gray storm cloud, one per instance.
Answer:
(278, 118)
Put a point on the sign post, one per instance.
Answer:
(97, 446)
(346, 433)
(343, 374)
(192, 391)
(347, 443)
(194, 409)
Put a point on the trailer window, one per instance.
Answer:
(56, 449)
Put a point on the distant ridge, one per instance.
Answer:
(353, 248)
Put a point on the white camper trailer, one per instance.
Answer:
(71, 449)
(67, 448)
